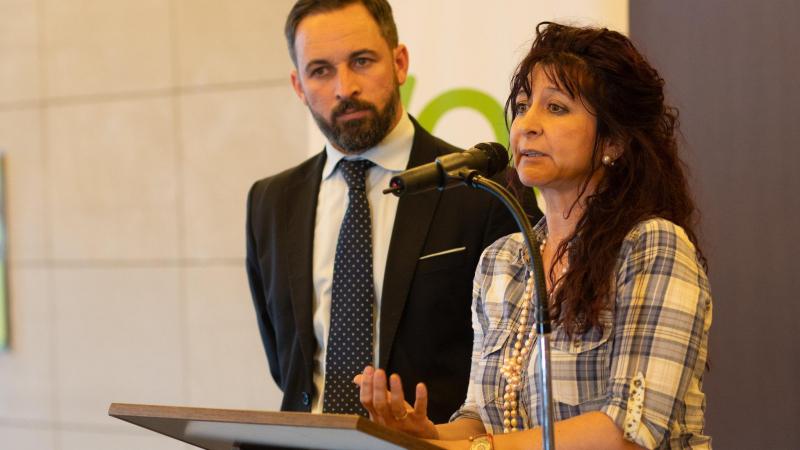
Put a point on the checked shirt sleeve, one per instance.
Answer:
(661, 322)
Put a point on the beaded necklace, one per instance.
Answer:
(512, 369)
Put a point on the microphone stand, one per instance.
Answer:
(448, 178)
(475, 180)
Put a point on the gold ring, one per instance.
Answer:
(403, 417)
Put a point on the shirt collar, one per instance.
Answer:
(540, 229)
(392, 153)
(539, 232)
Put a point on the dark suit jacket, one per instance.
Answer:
(426, 331)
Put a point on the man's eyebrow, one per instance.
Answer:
(354, 54)
(316, 62)
(363, 52)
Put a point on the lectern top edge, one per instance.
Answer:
(241, 416)
(171, 421)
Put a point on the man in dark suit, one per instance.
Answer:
(424, 248)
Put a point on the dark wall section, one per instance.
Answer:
(733, 69)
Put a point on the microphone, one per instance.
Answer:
(488, 158)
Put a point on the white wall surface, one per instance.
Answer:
(133, 129)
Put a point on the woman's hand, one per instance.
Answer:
(388, 407)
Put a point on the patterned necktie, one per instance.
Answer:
(349, 347)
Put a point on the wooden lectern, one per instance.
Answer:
(229, 429)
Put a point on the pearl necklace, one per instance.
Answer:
(512, 369)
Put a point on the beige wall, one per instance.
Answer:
(132, 130)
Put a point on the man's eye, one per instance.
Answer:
(318, 72)
(361, 62)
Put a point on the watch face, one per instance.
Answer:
(481, 443)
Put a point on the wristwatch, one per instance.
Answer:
(481, 442)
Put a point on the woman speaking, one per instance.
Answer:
(626, 279)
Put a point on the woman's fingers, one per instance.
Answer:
(383, 406)
(385, 402)
(397, 401)
(379, 395)
(365, 393)
(421, 403)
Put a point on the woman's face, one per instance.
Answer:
(552, 137)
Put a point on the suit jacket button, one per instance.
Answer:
(306, 399)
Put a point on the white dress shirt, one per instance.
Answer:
(391, 157)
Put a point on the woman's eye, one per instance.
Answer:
(520, 108)
(556, 109)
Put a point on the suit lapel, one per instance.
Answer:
(300, 204)
(411, 224)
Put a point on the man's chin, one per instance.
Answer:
(357, 139)
(354, 125)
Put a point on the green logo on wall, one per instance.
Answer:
(481, 102)
(473, 99)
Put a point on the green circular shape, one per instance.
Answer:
(473, 99)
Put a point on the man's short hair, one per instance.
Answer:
(380, 10)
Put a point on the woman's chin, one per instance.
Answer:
(531, 179)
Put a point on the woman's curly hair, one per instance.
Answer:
(603, 69)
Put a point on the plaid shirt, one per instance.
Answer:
(645, 370)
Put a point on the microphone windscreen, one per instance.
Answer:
(497, 156)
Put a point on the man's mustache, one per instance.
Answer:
(351, 105)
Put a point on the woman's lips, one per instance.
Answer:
(531, 153)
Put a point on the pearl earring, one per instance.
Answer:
(607, 161)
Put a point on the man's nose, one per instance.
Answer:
(347, 84)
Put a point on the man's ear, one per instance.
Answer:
(400, 55)
(298, 87)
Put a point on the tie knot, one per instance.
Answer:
(355, 172)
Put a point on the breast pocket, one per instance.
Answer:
(493, 341)
(580, 364)
(489, 398)
(447, 259)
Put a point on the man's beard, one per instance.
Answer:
(357, 135)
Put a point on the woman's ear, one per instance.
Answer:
(612, 151)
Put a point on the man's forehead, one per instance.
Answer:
(337, 34)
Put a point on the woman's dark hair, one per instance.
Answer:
(604, 70)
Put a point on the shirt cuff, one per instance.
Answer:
(465, 412)
(627, 414)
